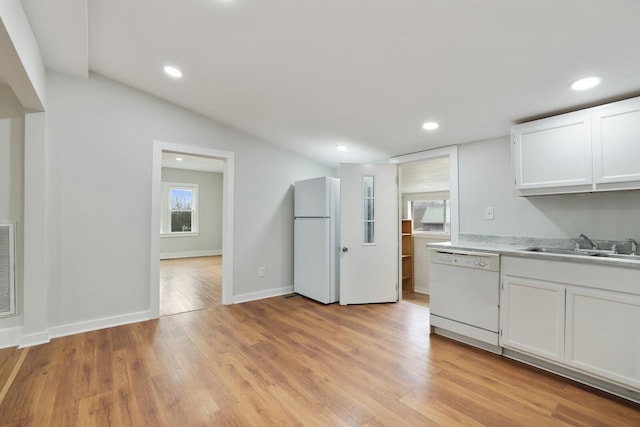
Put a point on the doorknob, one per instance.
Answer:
(345, 249)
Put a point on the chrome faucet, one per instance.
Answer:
(634, 246)
(594, 246)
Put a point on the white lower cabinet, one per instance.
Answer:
(603, 334)
(532, 317)
(581, 318)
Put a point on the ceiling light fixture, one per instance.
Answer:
(586, 83)
(430, 126)
(173, 71)
(179, 159)
(342, 148)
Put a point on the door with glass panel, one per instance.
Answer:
(368, 233)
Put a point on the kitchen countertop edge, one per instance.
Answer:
(518, 251)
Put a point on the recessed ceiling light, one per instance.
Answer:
(430, 126)
(173, 71)
(586, 83)
(342, 148)
(179, 159)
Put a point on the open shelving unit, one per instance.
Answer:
(406, 228)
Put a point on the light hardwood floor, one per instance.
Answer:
(416, 298)
(291, 361)
(11, 360)
(188, 284)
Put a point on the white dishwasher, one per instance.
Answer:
(465, 297)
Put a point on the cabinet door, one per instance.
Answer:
(603, 334)
(532, 317)
(616, 143)
(552, 153)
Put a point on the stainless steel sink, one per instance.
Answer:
(621, 256)
(560, 251)
(581, 252)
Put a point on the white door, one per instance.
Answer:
(369, 233)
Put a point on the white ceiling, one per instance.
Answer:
(196, 163)
(311, 74)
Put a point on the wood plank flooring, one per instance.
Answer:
(188, 284)
(291, 361)
(11, 360)
(416, 298)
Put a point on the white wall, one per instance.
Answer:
(100, 136)
(486, 180)
(209, 239)
(12, 184)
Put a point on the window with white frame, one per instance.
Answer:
(179, 209)
(431, 212)
(431, 215)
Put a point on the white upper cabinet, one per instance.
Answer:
(597, 149)
(554, 152)
(616, 143)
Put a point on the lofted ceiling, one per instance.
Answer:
(312, 74)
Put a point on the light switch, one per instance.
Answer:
(488, 212)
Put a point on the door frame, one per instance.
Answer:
(452, 153)
(227, 217)
(384, 177)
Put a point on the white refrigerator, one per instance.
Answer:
(316, 259)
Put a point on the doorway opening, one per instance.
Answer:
(191, 228)
(190, 233)
(428, 206)
(190, 283)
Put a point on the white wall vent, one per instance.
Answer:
(7, 269)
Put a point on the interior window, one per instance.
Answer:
(431, 215)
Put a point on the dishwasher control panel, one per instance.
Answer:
(476, 260)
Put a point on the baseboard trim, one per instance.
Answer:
(421, 290)
(94, 325)
(35, 339)
(190, 254)
(10, 337)
(252, 296)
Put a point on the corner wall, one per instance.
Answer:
(101, 137)
(12, 190)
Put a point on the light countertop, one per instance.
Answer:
(515, 249)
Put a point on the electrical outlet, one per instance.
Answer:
(488, 213)
(262, 272)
